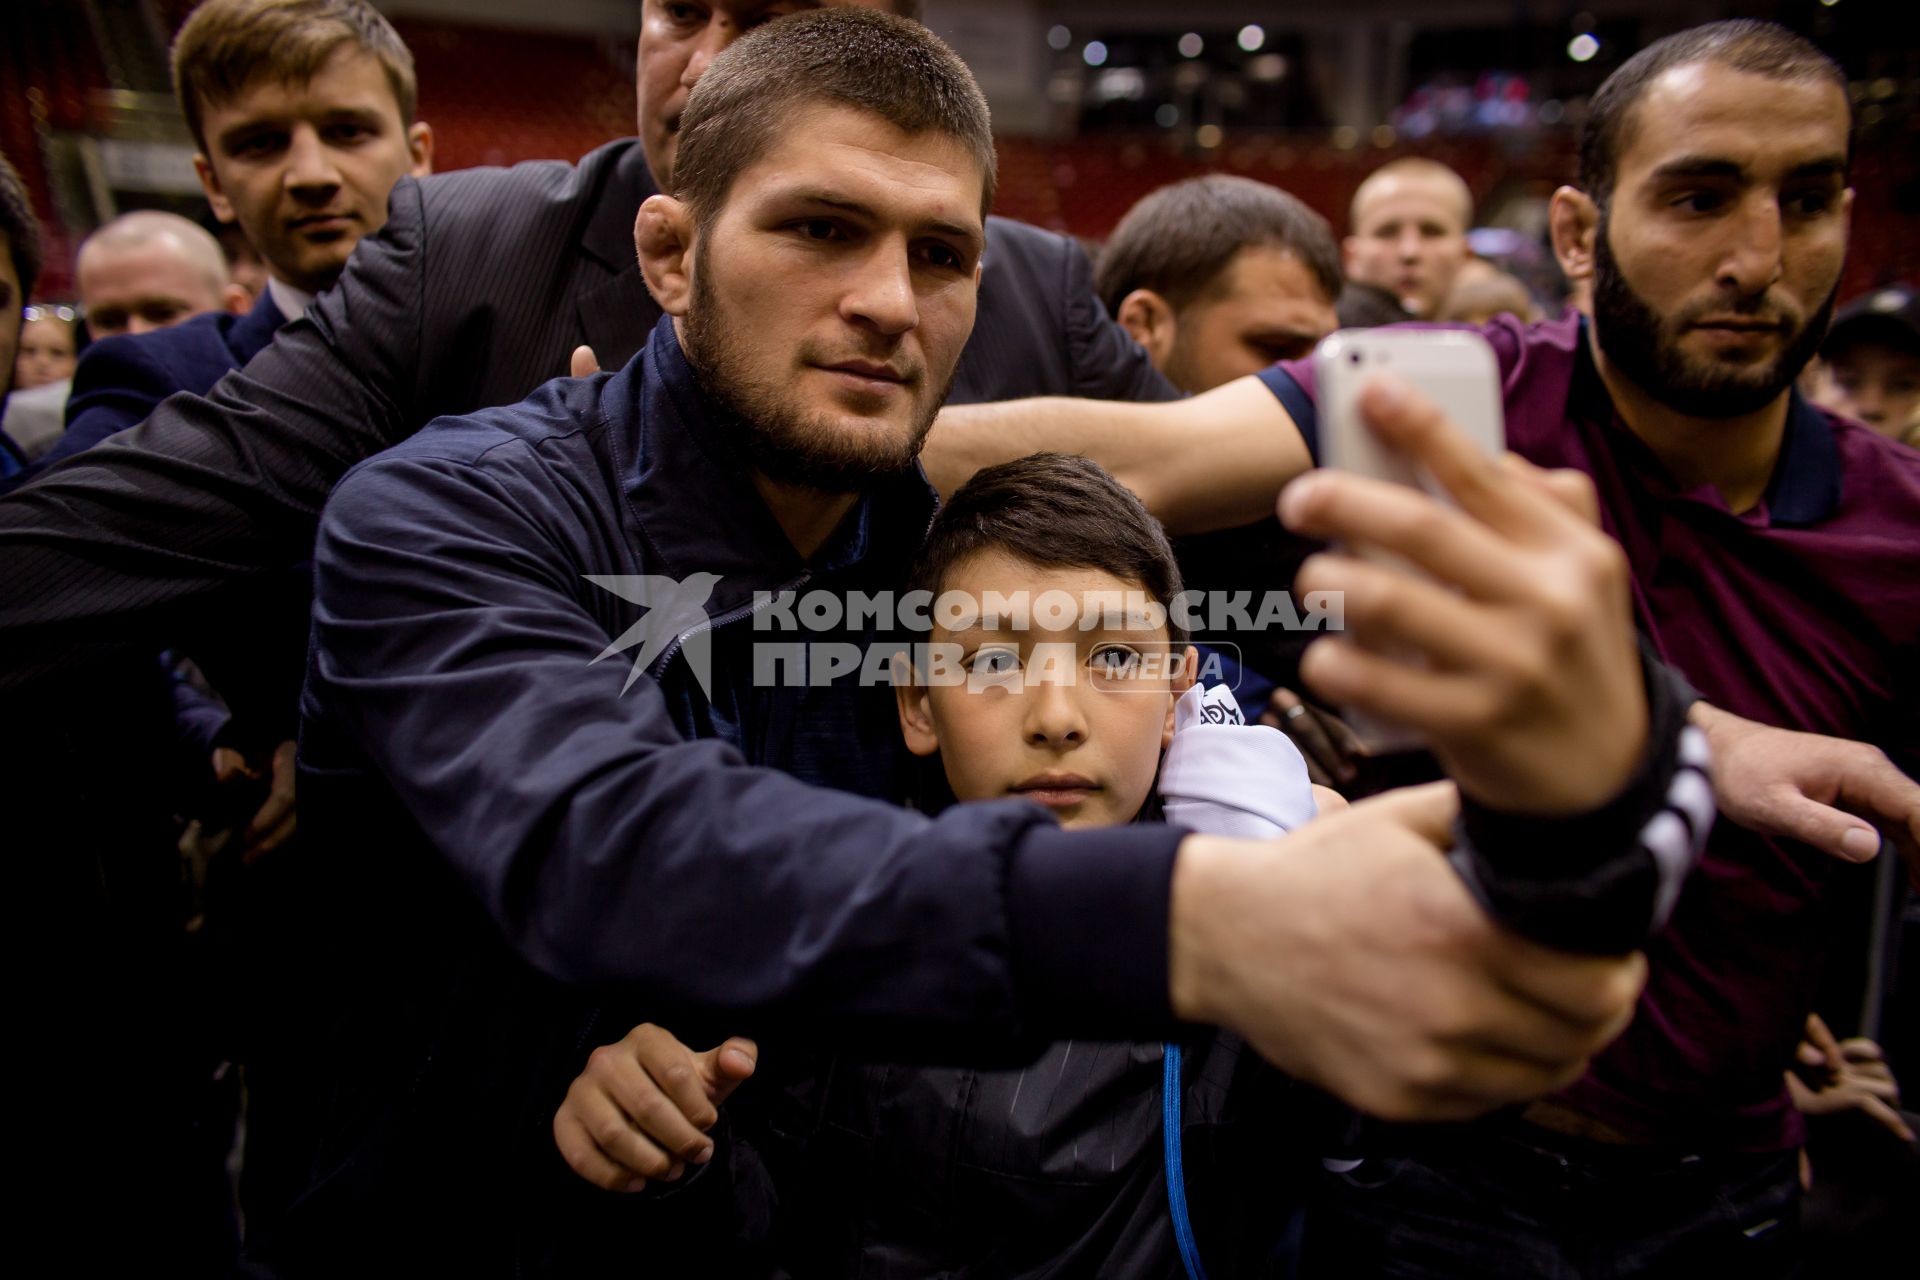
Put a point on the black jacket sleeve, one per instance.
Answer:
(452, 653)
(105, 550)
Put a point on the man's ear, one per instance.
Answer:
(420, 146)
(1574, 221)
(1146, 315)
(1349, 251)
(210, 183)
(663, 237)
(1183, 680)
(916, 716)
(234, 300)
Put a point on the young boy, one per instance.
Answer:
(1057, 1168)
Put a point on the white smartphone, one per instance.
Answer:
(1454, 368)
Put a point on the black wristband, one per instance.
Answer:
(1601, 881)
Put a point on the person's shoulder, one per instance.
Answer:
(1013, 235)
(181, 351)
(1024, 250)
(541, 440)
(528, 186)
(1880, 464)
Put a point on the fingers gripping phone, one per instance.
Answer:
(1456, 370)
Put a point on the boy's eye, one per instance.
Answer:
(1116, 662)
(993, 662)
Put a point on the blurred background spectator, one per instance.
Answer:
(42, 377)
(1870, 365)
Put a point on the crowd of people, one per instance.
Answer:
(722, 707)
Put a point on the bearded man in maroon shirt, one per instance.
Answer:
(1773, 550)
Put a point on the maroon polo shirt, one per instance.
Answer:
(1803, 612)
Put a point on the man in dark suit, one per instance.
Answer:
(302, 113)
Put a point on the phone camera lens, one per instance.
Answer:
(1353, 357)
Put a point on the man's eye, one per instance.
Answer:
(944, 258)
(682, 14)
(823, 229)
(1115, 662)
(343, 133)
(1809, 204)
(258, 144)
(1698, 201)
(1275, 351)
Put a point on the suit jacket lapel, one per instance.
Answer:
(615, 310)
(616, 315)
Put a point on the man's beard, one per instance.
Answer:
(1645, 346)
(776, 437)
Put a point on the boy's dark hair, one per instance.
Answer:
(1742, 44)
(227, 45)
(1052, 510)
(22, 230)
(891, 67)
(1178, 241)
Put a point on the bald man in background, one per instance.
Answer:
(143, 271)
(149, 270)
(1409, 223)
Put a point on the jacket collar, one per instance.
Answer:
(695, 505)
(615, 308)
(252, 333)
(1805, 488)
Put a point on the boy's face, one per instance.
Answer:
(1073, 719)
(305, 167)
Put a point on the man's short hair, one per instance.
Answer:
(22, 230)
(144, 226)
(1178, 241)
(1369, 306)
(1741, 44)
(874, 62)
(227, 45)
(1054, 510)
(1416, 168)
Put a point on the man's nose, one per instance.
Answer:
(882, 295)
(1409, 244)
(721, 31)
(310, 164)
(1753, 261)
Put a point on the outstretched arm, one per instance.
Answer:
(1215, 461)
(110, 549)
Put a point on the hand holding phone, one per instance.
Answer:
(1453, 368)
(1528, 683)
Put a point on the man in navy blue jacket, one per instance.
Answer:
(551, 788)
